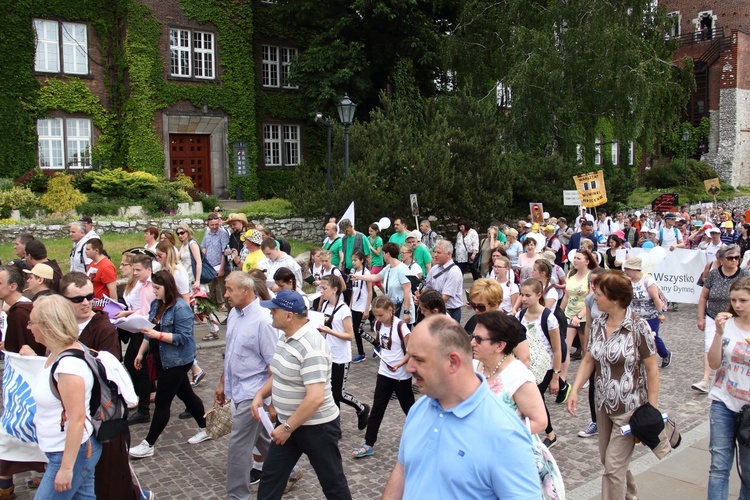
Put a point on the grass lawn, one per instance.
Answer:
(59, 248)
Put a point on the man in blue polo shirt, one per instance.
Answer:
(460, 440)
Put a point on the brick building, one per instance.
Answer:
(178, 86)
(716, 35)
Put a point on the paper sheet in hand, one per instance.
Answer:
(113, 308)
(265, 420)
(134, 323)
(316, 318)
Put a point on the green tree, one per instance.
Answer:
(569, 64)
(353, 46)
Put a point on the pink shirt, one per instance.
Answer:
(145, 296)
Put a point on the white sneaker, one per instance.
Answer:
(143, 450)
(200, 437)
(701, 386)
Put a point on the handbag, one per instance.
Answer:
(219, 420)
(208, 273)
(550, 477)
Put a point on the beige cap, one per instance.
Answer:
(43, 271)
(633, 263)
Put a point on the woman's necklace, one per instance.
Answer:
(497, 367)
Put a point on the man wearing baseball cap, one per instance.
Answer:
(301, 391)
(40, 281)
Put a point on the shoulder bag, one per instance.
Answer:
(208, 273)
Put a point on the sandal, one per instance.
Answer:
(364, 451)
(210, 336)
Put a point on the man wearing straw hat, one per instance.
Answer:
(238, 225)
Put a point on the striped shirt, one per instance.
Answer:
(301, 359)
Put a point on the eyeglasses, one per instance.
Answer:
(478, 307)
(478, 339)
(180, 233)
(80, 298)
(732, 257)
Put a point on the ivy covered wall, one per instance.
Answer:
(127, 34)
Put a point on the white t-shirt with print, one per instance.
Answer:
(395, 354)
(341, 350)
(731, 384)
(508, 381)
(535, 328)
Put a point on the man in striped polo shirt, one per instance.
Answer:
(308, 418)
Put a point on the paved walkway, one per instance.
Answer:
(180, 470)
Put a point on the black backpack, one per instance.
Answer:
(107, 408)
(561, 319)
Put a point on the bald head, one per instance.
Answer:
(331, 230)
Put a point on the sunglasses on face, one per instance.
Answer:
(732, 257)
(478, 307)
(180, 233)
(80, 298)
(479, 339)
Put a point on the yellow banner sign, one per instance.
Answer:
(591, 189)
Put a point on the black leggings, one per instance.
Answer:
(170, 383)
(592, 406)
(356, 322)
(543, 386)
(339, 371)
(384, 388)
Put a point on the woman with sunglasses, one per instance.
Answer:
(485, 295)
(172, 347)
(190, 247)
(715, 299)
(495, 337)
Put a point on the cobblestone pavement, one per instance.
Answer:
(181, 470)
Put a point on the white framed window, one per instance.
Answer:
(281, 145)
(276, 64)
(192, 54)
(615, 153)
(64, 142)
(73, 51)
(270, 66)
(50, 134)
(598, 152)
(504, 95)
(287, 56)
(203, 54)
(631, 153)
(673, 29)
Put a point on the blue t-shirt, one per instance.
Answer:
(476, 450)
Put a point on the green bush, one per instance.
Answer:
(61, 196)
(83, 181)
(165, 199)
(209, 202)
(118, 182)
(667, 175)
(275, 183)
(275, 207)
(6, 183)
(18, 198)
(93, 208)
(36, 180)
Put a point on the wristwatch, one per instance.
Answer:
(287, 427)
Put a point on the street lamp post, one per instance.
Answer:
(686, 139)
(328, 124)
(346, 114)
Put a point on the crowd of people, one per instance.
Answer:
(543, 294)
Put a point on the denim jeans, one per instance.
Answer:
(83, 474)
(724, 424)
